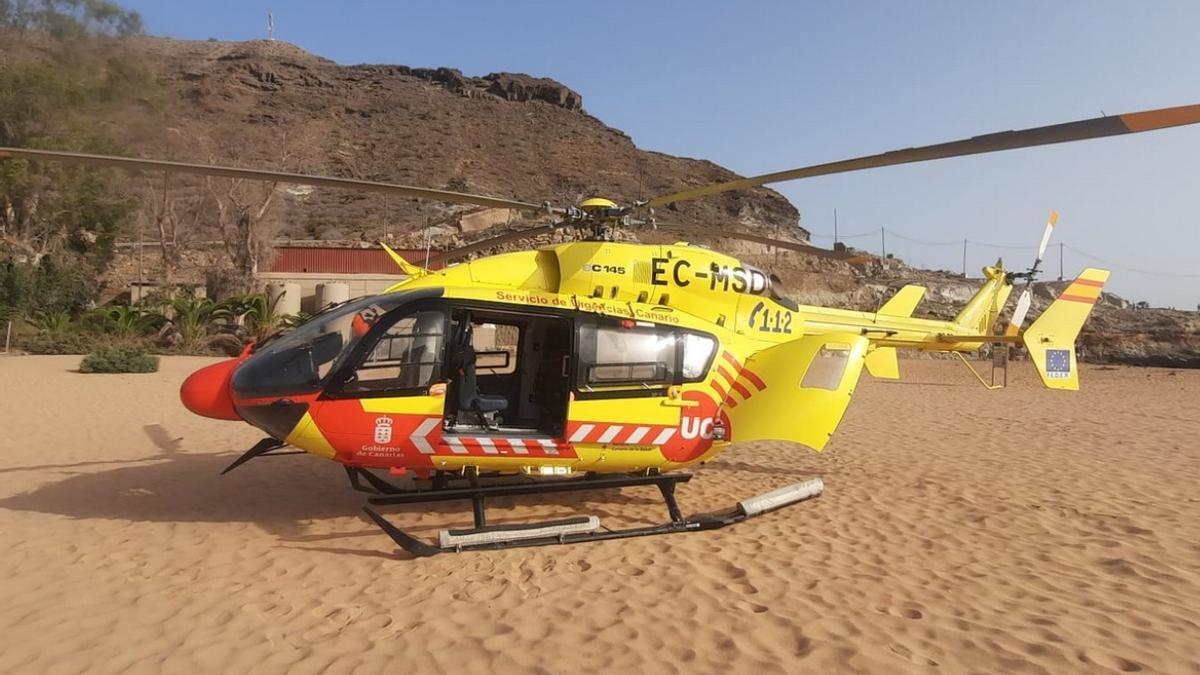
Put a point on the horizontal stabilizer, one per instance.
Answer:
(1051, 339)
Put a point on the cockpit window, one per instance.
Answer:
(301, 361)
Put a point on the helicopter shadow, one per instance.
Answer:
(281, 495)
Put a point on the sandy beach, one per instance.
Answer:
(960, 531)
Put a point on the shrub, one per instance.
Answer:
(126, 321)
(64, 342)
(192, 319)
(126, 359)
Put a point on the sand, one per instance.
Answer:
(961, 531)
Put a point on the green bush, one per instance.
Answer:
(65, 342)
(127, 359)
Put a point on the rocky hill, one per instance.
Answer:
(273, 105)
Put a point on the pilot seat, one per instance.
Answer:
(470, 401)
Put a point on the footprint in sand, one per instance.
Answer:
(750, 607)
(1110, 661)
(267, 608)
(482, 591)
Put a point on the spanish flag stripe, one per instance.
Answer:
(1077, 298)
(1089, 282)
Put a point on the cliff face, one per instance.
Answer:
(273, 105)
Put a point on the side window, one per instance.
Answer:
(496, 348)
(615, 355)
(697, 356)
(407, 356)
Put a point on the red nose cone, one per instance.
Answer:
(206, 391)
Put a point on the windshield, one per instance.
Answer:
(301, 361)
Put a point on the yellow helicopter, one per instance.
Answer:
(595, 364)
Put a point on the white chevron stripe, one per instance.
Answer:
(611, 433)
(550, 446)
(582, 432)
(456, 446)
(420, 436)
(664, 436)
(637, 435)
(489, 446)
(521, 447)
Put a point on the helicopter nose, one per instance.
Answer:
(206, 391)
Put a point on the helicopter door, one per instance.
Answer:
(624, 374)
(808, 385)
(384, 407)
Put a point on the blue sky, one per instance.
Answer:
(761, 86)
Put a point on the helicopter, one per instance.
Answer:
(597, 364)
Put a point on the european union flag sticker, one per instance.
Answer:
(1058, 363)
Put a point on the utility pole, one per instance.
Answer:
(883, 242)
(271, 26)
(1060, 261)
(835, 233)
(964, 258)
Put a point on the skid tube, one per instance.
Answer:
(572, 530)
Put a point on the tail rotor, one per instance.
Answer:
(1022, 308)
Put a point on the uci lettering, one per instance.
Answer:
(694, 427)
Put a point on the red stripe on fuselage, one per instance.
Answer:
(724, 395)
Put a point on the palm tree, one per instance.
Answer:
(127, 321)
(192, 318)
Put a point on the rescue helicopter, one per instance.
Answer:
(596, 364)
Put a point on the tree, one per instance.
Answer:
(241, 209)
(68, 19)
(52, 213)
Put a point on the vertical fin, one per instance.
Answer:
(882, 363)
(1051, 339)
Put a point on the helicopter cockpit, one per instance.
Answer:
(300, 362)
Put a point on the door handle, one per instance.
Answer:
(680, 403)
(675, 399)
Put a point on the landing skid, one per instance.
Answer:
(573, 530)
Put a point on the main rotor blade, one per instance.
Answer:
(1098, 127)
(758, 239)
(134, 164)
(494, 241)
